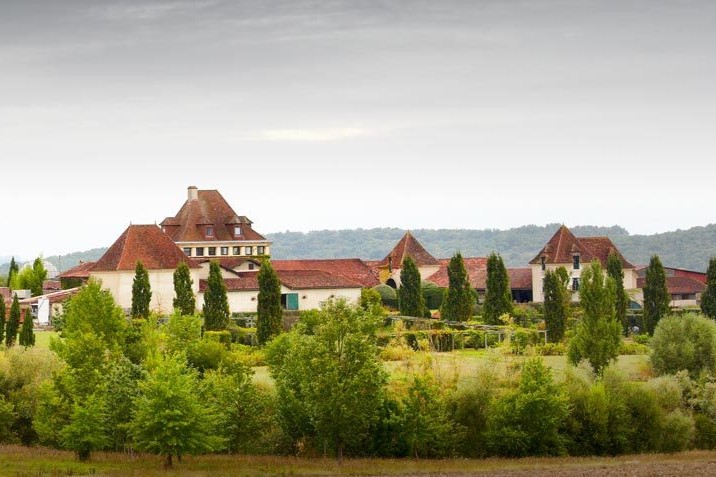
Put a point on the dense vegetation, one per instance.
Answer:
(689, 249)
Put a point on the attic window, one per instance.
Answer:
(237, 231)
(209, 231)
(575, 262)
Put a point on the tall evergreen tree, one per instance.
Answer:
(599, 334)
(27, 335)
(141, 292)
(13, 323)
(2, 319)
(621, 303)
(556, 304)
(498, 296)
(708, 298)
(656, 295)
(410, 295)
(269, 310)
(39, 273)
(216, 304)
(12, 272)
(184, 301)
(459, 302)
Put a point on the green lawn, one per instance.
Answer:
(42, 338)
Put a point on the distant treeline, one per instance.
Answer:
(690, 249)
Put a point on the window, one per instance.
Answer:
(575, 262)
(260, 250)
(187, 251)
(199, 251)
(251, 266)
(237, 250)
(544, 262)
(249, 250)
(224, 250)
(575, 284)
(237, 231)
(212, 251)
(209, 231)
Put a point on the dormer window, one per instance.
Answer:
(237, 231)
(575, 262)
(209, 231)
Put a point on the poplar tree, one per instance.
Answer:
(498, 296)
(410, 296)
(2, 319)
(708, 298)
(459, 301)
(216, 304)
(599, 334)
(269, 311)
(141, 292)
(656, 295)
(12, 272)
(621, 301)
(39, 275)
(184, 301)
(27, 335)
(556, 304)
(13, 323)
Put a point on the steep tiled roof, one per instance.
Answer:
(353, 269)
(408, 246)
(520, 278)
(80, 271)
(208, 208)
(476, 267)
(145, 243)
(678, 285)
(293, 279)
(564, 245)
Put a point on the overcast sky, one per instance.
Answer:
(318, 114)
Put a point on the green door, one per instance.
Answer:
(292, 301)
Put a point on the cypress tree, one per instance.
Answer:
(12, 272)
(498, 296)
(656, 295)
(269, 310)
(556, 304)
(184, 301)
(708, 298)
(13, 323)
(2, 319)
(39, 275)
(614, 270)
(459, 301)
(410, 296)
(216, 304)
(27, 335)
(141, 292)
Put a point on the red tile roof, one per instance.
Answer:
(228, 262)
(145, 243)
(208, 208)
(353, 269)
(293, 279)
(476, 267)
(678, 285)
(408, 246)
(564, 245)
(80, 271)
(520, 278)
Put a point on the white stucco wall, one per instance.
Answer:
(425, 273)
(630, 277)
(246, 301)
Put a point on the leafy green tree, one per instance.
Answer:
(3, 313)
(459, 302)
(684, 342)
(170, 418)
(184, 301)
(269, 311)
(498, 296)
(216, 304)
(87, 430)
(599, 334)
(40, 275)
(621, 301)
(410, 296)
(141, 292)
(656, 295)
(30, 277)
(13, 323)
(12, 272)
(708, 298)
(371, 300)
(329, 383)
(27, 336)
(94, 310)
(556, 304)
(182, 332)
(119, 390)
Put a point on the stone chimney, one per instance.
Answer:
(193, 193)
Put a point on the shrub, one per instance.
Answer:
(680, 432)
(687, 342)
(388, 295)
(644, 339)
(704, 432)
(667, 392)
(206, 354)
(433, 295)
(223, 337)
(632, 348)
(551, 349)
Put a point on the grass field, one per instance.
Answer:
(23, 461)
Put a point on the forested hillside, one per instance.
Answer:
(681, 248)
